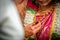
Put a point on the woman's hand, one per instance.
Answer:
(32, 29)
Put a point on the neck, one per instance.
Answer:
(45, 7)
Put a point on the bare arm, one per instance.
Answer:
(21, 6)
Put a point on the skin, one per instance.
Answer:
(44, 2)
(32, 28)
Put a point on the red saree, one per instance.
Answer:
(44, 32)
(46, 22)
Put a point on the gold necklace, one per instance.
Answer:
(44, 12)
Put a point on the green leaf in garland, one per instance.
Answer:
(55, 35)
(30, 38)
(30, 9)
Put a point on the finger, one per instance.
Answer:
(37, 25)
(32, 24)
(36, 30)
